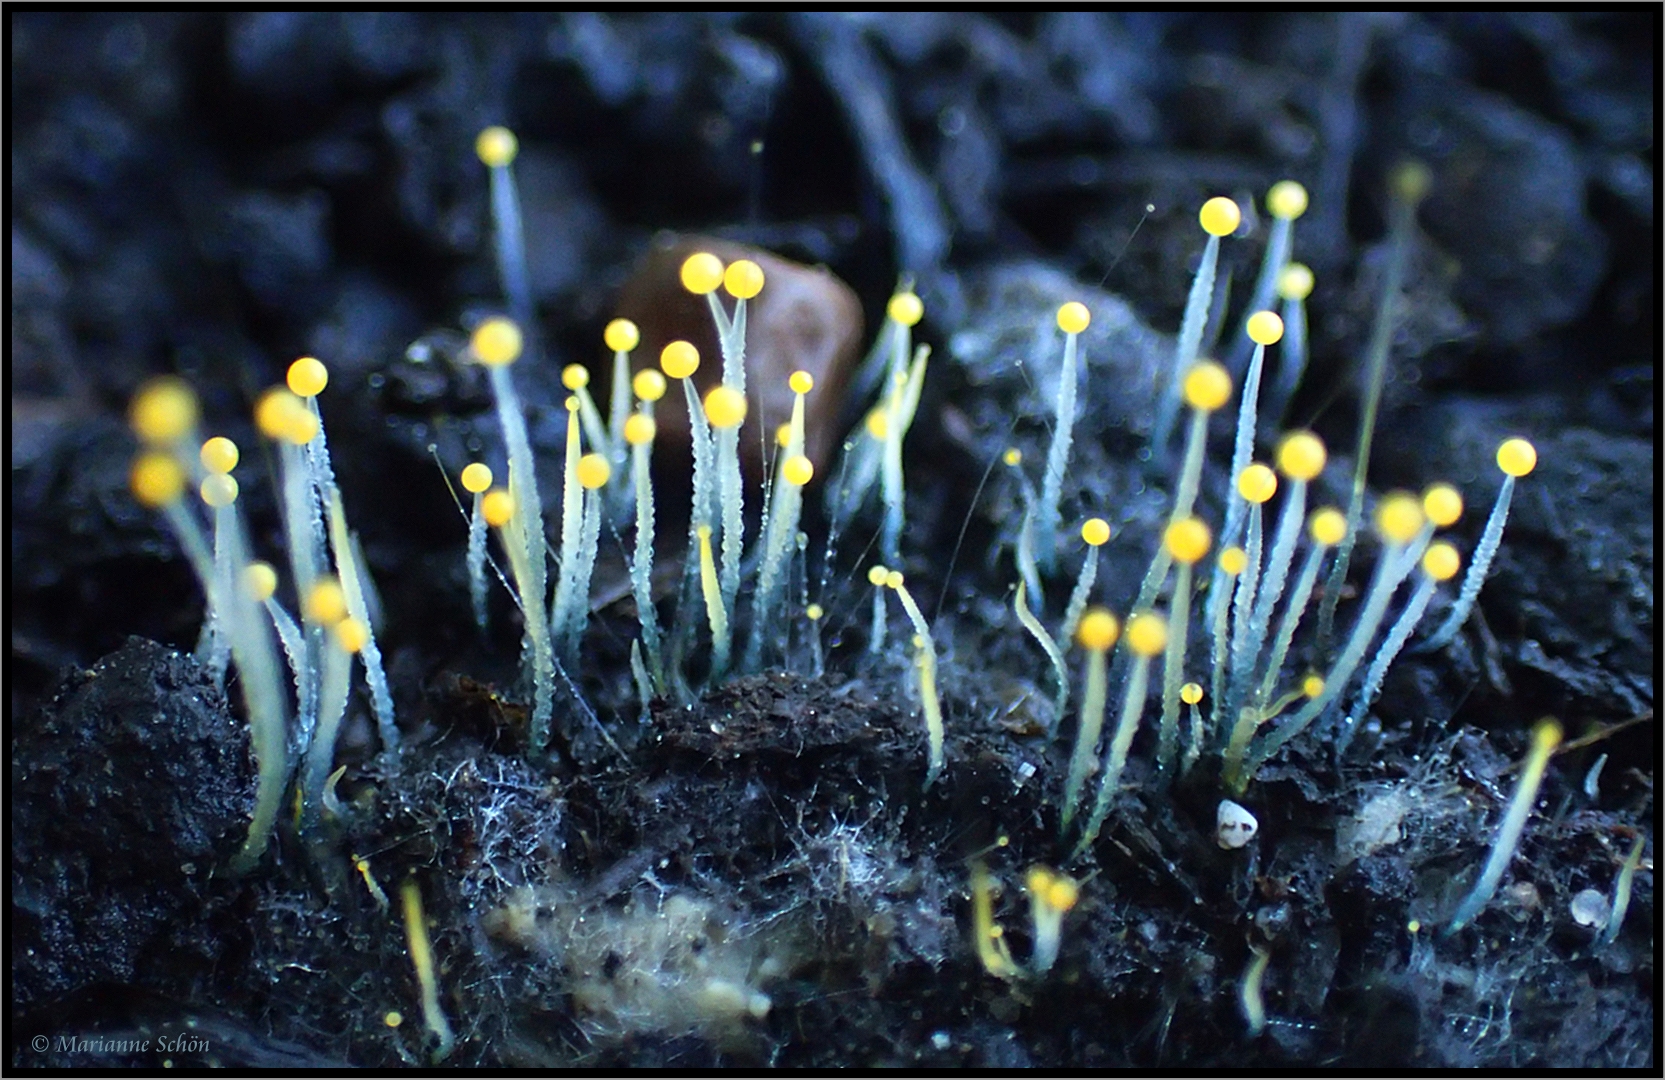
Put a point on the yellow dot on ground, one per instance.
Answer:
(496, 342)
(1187, 540)
(575, 376)
(725, 407)
(1207, 386)
(639, 429)
(307, 376)
(496, 146)
(905, 308)
(1265, 328)
(621, 335)
(157, 479)
(798, 470)
(476, 477)
(163, 411)
(1287, 200)
(1399, 517)
(743, 279)
(1073, 317)
(219, 454)
(1095, 531)
(1098, 630)
(1327, 526)
(593, 471)
(1301, 455)
(648, 384)
(1220, 216)
(497, 508)
(1147, 633)
(679, 359)
(1517, 457)
(701, 273)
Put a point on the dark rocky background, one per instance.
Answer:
(214, 195)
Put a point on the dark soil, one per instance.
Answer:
(759, 877)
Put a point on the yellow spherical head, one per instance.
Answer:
(1187, 540)
(1443, 504)
(1441, 562)
(1399, 517)
(1295, 281)
(1207, 386)
(1012, 458)
(1265, 328)
(476, 477)
(814, 612)
(797, 470)
(326, 603)
(893, 579)
(593, 471)
(1233, 561)
(1301, 455)
(496, 147)
(497, 508)
(1220, 216)
(307, 376)
(801, 382)
(725, 407)
(496, 342)
(1517, 457)
(351, 635)
(876, 575)
(648, 384)
(163, 411)
(259, 581)
(905, 308)
(1312, 686)
(1147, 634)
(303, 428)
(1098, 630)
(1191, 693)
(701, 273)
(1411, 180)
(279, 412)
(639, 430)
(1327, 526)
(156, 479)
(219, 454)
(1287, 200)
(218, 489)
(877, 424)
(1073, 317)
(1257, 483)
(743, 279)
(1095, 531)
(621, 335)
(575, 376)
(679, 359)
